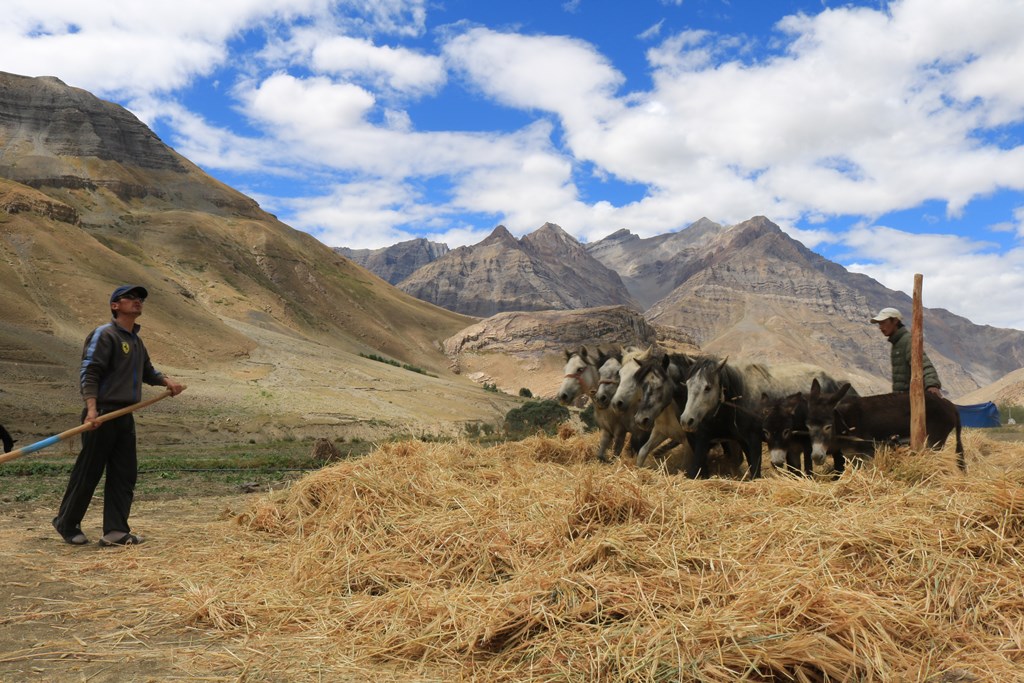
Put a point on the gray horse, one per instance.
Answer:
(724, 402)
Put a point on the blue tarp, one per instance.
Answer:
(979, 415)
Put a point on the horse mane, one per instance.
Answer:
(637, 353)
(729, 378)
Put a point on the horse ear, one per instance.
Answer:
(721, 364)
(568, 354)
(665, 361)
(583, 352)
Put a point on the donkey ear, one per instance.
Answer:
(815, 388)
(842, 392)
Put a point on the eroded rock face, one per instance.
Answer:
(65, 141)
(527, 349)
(44, 117)
(536, 333)
(16, 199)
(652, 267)
(545, 270)
(399, 261)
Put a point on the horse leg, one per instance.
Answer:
(752, 447)
(838, 463)
(808, 460)
(793, 461)
(700, 444)
(637, 439)
(961, 461)
(620, 441)
(606, 437)
(653, 442)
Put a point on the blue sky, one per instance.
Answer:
(887, 136)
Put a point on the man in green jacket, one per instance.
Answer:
(890, 322)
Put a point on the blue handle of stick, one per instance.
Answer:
(39, 445)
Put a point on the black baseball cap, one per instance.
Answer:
(125, 289)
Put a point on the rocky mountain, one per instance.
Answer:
(547, 269)
(1007, 390)
(269, 327)
(399, 261)
(651, 268)
(526, 349)
(755, 291)
(747, 290)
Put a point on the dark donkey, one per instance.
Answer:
(860, 423)
(784, 422)
(787, 435)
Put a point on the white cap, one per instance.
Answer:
(885, 314)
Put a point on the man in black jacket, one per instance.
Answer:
(115, 364)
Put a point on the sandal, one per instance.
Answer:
(76, 538)
(127, 539)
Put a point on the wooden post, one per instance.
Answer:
(917, 416)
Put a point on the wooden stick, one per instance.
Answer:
(49, 441)
(917, 416)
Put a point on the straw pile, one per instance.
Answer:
(528, 561)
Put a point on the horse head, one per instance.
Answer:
(656, 390)
(608, 379)
(705, 392)
(781, 419)
(580, 376)
(628, 392)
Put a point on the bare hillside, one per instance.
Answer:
(239, 302)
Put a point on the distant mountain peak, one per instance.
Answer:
(547, 269)
(621, 235)
(500, 235)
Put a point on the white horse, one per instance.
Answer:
(580, 376)
(614, 425)
(585, 375)
(663, 394)
(627, 395)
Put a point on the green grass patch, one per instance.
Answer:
(389, 361)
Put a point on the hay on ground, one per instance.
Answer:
(530, 561)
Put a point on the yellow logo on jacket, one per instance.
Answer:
(125, 348)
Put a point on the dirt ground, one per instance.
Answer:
(70, 613)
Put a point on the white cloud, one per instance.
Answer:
(959, 274)
(360, 215)
(134, 48)
(307, 108)
(547, 73)
(652, 32)
(828, 128)
(394, 68)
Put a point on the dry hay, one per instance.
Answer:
(325, 452)
(528, 561)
